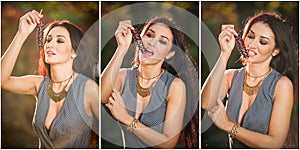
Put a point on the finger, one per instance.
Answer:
(214, 109)
(29, 19)
(209, 113)
(37, 16)
(33, 17)
(126, 23)
(116, 96)
(227, 26)
(219, 102)
(211, 116)
(226, 34)
(126, 26)
(111, 100)
(109, 106)
(115, 90)
(231, 31)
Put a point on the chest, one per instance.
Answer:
(247, 102)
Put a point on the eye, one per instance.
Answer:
(48, 39)
(149, 35)
(163, 42)
(60, 41)
(263, 42)
(250, 36)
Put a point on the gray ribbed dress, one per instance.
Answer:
(258, 116)
(70, 128)
(155, 111)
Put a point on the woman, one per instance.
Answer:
(151, 99)
(67, 103)
(261, 94)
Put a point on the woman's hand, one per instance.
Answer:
(226, 38)
(123, 33)
(219, 117)
(117, 107)
(29, 21)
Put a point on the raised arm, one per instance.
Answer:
(25, 84)
(217, 83)
(110, 76)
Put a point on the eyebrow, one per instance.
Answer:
(59, 35)
(161, 35)
(264, 37)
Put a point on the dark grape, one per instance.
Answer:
(241, 45)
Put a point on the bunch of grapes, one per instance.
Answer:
(241, 45)
(40, 35)
(138, 39)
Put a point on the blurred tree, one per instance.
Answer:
(17, 110)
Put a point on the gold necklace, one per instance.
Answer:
(258, 76)
(144, 92)
(251, 90)
(56, 97)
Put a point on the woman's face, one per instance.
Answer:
(158, 42)
(58, 47)
(260, 43)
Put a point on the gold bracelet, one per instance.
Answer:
(132, 125)
(234, 130)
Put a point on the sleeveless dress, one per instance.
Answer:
(71, 127)
(258, 116)
(154, 113)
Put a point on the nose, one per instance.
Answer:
(251, 44)
(151, 42)
(49, 44)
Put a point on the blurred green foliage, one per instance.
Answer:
(213, 15)
(17, 110)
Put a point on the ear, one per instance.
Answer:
(170, 54)
(275, 52)
(74, 55)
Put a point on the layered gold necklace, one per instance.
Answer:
(251, 90)
(144, 92)
(56, 97)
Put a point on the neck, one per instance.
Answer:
(257, 70)
(149, 71)
(60, 72)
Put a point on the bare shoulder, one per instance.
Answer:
(91, 92)
(177, 82)
(284, 84)
(91, 87)
(284, 89)
(91, 98)
(177, 87)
